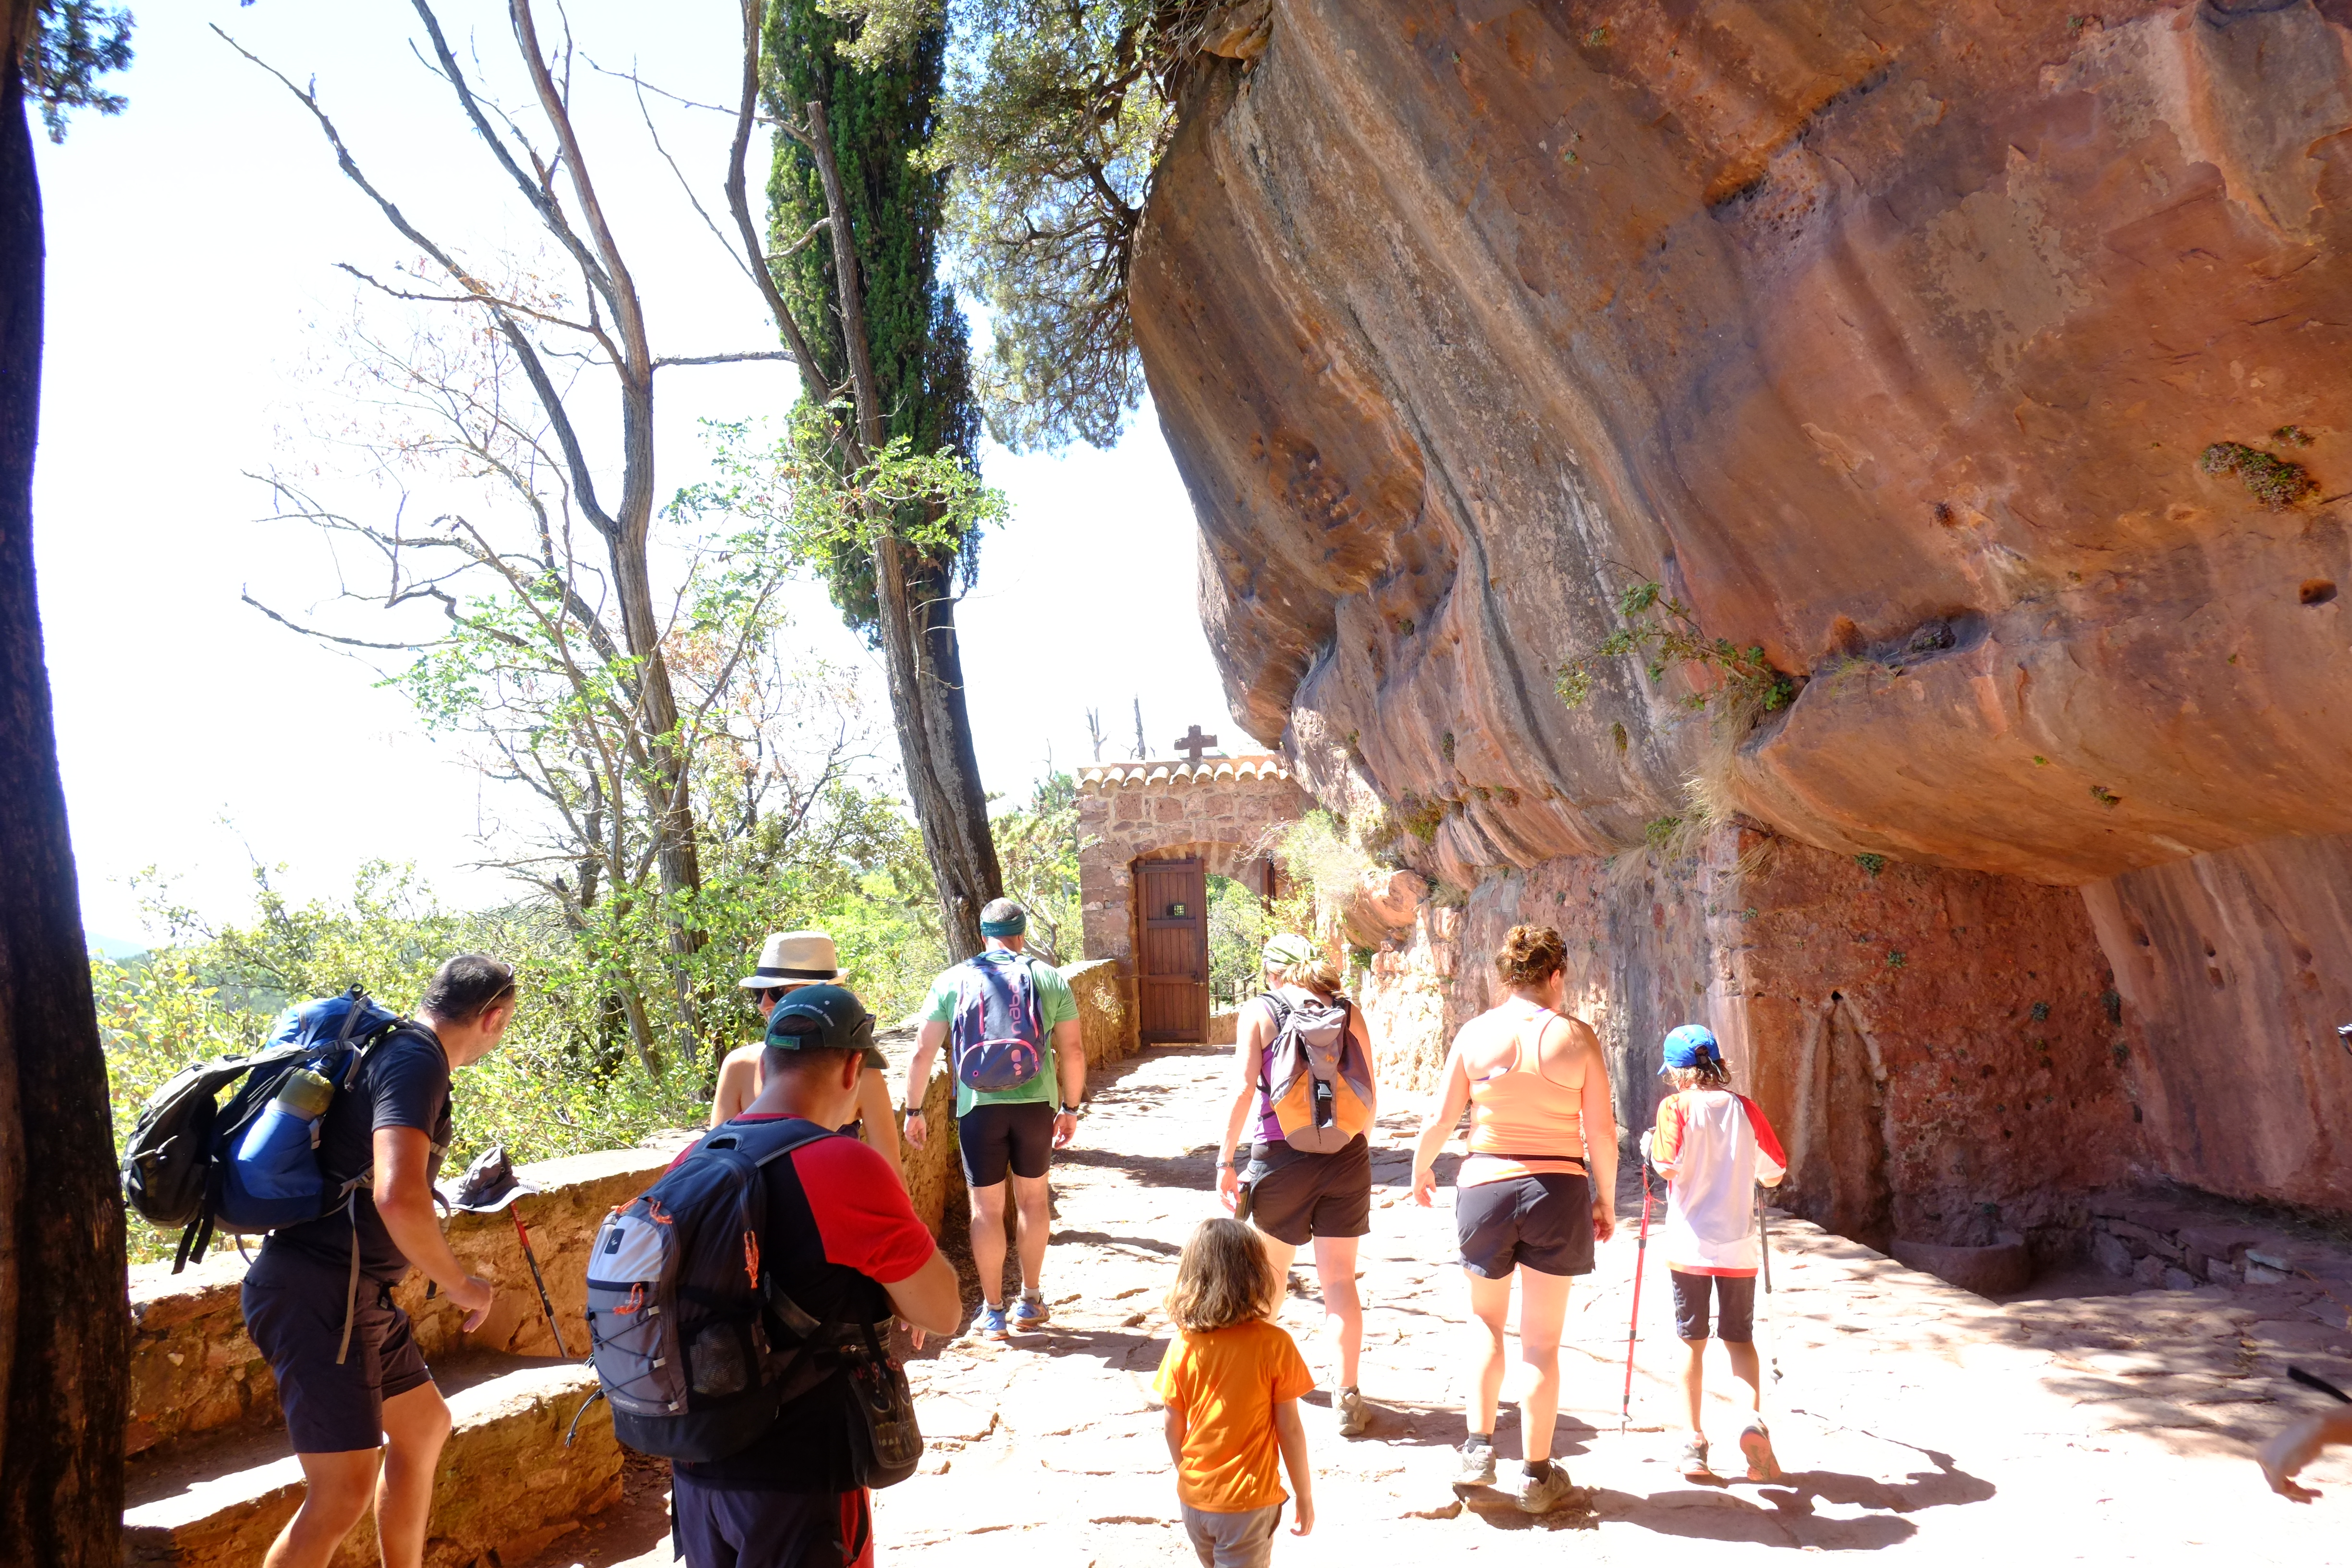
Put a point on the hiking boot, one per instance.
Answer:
(1030, 1313)
(1349, 1416)
(1543, 1491)
(989, 1322)
(1693, 1461)
(1477, 1463)
(1756, 1445)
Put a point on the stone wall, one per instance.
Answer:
(193, 1372)
(1224, 809)
(1106, 1020)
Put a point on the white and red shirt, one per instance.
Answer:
(1713, 1146)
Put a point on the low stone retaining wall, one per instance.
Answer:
(507, 1487)
(193, 1372)
(1102, 1010)
(2177, 1244)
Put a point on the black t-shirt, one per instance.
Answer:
(868, 1222)
(403, 1082)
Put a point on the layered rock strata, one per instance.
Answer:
(1978, 366)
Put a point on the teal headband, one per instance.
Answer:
(1013, 927)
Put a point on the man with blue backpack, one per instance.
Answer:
(365, 1420)
(1011, 1028)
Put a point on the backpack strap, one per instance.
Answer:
(795, 1133)
(1279, 1011)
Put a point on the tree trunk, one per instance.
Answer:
(65, 1325)
(961, 848)
(916, 618)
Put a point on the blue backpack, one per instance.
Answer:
(252, 1165)
(999, 1031)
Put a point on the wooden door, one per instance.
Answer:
(1172, 968)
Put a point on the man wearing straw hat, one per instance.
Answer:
(789, 960)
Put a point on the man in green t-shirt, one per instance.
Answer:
(1006, 1132)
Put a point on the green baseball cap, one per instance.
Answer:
(824, 1017)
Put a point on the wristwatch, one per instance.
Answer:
(1072, 1109)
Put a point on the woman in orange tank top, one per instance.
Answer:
(1533, 1194)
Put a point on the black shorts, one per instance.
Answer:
(294, 1315)
(1735, 1297)
(721, 1527)
(1296, 1197)
(997, 1138)
(1543, 1223)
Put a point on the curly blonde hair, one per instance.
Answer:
(1223, 1278)
(1530, 955)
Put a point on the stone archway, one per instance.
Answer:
(1220, 811)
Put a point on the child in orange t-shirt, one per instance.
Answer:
(1231, 1382)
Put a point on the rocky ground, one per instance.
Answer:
(2106, 1427)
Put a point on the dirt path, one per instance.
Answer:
(1912, 1417)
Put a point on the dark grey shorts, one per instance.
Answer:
(1734, 1300)
(1543, 1222)
(294, 1315)
(1296, 1197)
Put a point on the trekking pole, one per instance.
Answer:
(1764, 1256)
(1634, 1329)
(533, 1259)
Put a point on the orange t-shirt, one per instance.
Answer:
(1225, 1383)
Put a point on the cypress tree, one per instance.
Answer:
(879, 117)
(921, 347)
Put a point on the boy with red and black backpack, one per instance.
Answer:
(1714, 1147)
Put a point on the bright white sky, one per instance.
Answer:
(192, 243)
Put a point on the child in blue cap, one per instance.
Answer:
(1713, 1146)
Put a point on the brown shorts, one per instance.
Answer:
(1294, 1197)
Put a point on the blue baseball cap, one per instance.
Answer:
(1689, 1045)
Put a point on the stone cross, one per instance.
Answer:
(1194, 743)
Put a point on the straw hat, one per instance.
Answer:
(794, 958)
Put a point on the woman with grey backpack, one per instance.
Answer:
(1303, 1064)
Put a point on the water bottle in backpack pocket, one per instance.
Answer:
(999, 1031)
(252, 1164)
(275, 1164)
(266, 1146)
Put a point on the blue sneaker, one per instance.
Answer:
(1030, 1313)
(988, 1324)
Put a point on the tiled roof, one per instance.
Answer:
(1208, 770)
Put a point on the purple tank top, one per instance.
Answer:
(1269, 1130)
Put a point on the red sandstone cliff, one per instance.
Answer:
(1888, 336)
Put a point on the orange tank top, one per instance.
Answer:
(1521, 1122)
